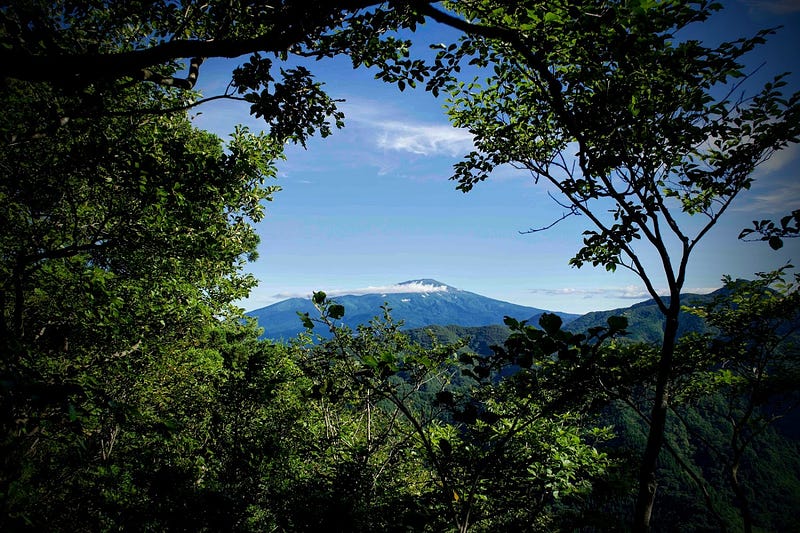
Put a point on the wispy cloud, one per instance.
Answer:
(570, 291)
(779, 160)
(776, 199)
(778, 7)
(414, 287)
(424, 139)
(393, 131)
(627, 292)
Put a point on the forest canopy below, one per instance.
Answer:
(136, 395)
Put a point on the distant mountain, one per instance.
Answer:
(645, 321)
(426, 302)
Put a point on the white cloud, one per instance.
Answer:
(776, 199)
(394, 131)
(779, 160)
(414, 287)
(278, 296)
(424, 139)
(635, 292)
(628, 292)
(776, 189)
(774, 6)
(570, 291)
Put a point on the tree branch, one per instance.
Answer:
(493, 32)
(571, 210)
(84, 68)
(186, 83)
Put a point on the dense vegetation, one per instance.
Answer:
(136, 396)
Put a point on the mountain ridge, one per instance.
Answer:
(645, 324)
(429, 302)
(426, 302)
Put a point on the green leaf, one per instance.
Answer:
(336, 311)
(551, 323)
(307, 322)
(617, 323)
(552, 17)
(319, 297)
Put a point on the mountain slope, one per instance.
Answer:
(645, 321)
(481, 338)
(423, 303)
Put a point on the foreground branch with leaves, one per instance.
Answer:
(493, 438)
(135, 394)
(641, 131)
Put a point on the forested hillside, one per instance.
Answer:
(771, 461)
(645, 324)
(136, 395)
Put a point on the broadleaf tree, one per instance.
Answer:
(122, 245)
(749, 364)
(123, 235)
(479, 443)
(601, 101)
(92, 51)
(648, 135)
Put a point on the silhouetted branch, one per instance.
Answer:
(571, 210)
(85, 68)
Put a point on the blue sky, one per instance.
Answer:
(372, 205)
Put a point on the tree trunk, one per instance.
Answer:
(658, 422)
(741, 495)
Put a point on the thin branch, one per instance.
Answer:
(63, 253)
(571, 210)
(152, 111)
(175, 109)
(671, 222)
(554, 86)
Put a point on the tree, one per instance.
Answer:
(92, 52)
(121, 252)
(80, 43)
(636, 128)
(481, 443)
(124, 232)
(751, 362)
(603, 102)
(788, 228)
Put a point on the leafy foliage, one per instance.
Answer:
(774, 234)
(135, 394)
(637, 129)
(732, 386)
(754, 370)
(488, 450)
(95, 51)
(121, 249)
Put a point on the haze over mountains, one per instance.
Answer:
(418, 303)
